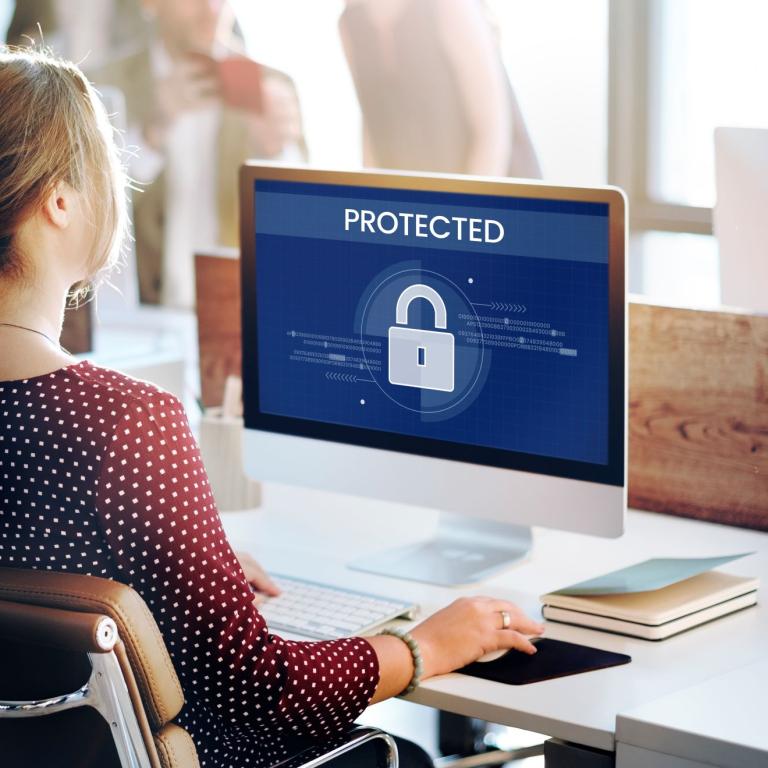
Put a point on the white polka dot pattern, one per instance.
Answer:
(99, 474)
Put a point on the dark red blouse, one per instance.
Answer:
(100, 474)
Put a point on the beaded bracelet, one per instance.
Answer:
(413, 647)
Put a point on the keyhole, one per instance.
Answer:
(422, 357)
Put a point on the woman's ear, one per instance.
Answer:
(58, 205)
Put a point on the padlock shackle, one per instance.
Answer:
(420, 291)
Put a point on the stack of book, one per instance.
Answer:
(655, 599)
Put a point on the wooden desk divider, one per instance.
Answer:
(698, 414)
(217, 276)
(698, 398)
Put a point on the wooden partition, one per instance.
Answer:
(698, 414)
(217, 276)
(698, 399)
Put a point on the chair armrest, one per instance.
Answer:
(347, 742)
(57, 627)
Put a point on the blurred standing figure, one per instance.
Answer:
(433, 90)
(27, 15)
(186, 145)
(85, 31)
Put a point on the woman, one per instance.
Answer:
(100, 475)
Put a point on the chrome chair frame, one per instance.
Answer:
(107, 693)
(348, 742)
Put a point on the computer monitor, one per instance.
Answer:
(740, 223)
(445, 342)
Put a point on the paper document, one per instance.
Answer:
(648, 575)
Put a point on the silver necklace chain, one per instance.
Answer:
(32, 330)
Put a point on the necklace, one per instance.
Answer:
(32, 330)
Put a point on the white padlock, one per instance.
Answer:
(421, 358)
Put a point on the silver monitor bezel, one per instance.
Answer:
(317, 455)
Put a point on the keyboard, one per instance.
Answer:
(323, 612)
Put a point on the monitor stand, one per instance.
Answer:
(464, 550)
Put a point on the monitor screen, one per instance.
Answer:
(459, 325)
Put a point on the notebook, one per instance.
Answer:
(659, 613)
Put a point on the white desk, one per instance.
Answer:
(721, 721)
(311, 534)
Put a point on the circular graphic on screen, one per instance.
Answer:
(430, 337)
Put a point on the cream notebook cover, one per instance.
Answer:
(647, 631)
(660, 606)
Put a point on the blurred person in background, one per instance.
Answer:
(186, 143)
(85, 31)
(29, 19)
(433, 90)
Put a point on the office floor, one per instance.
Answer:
(419, 724)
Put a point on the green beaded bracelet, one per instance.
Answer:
(413, 647)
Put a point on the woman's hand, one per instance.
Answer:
(257, 578)
(469, 628)
(450, 639)
(191, 85)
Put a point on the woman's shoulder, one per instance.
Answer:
(120, 389)
(126, 406)
(85, 406)
(75, 382)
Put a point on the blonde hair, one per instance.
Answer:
(53, 129)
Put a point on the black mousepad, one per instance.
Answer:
(554, 658)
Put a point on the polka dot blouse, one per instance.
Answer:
(99, 474)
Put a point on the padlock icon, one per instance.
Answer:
(420, 358)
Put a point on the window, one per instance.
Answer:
(679, 69)
(711, 70)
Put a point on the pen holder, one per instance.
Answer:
(221, 448)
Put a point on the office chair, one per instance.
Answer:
(88, 651)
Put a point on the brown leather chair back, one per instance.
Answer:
(49, 630)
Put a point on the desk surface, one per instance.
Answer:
(720, 721)
(312, 534)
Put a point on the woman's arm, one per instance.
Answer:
(165, 539)
(395, 666)
(448, 640)
(472, 51)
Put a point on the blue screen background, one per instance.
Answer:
(527, 401)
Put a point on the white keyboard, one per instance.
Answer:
(325, 613)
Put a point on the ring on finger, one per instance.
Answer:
(506, 620)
